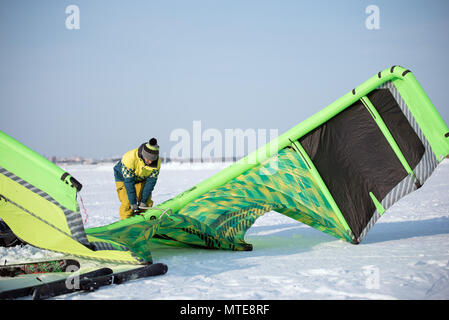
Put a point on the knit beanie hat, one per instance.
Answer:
(150, 150)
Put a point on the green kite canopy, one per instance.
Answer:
(337, 171)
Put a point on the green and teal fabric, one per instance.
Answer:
(282, 183)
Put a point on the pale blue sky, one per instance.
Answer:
(137, 69)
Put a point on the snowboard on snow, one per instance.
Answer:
(85, 282)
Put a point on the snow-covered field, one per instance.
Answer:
(404, 256)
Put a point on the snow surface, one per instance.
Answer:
(404, 256)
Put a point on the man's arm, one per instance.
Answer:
(129, 182)
(149, 186)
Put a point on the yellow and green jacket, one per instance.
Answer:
(132, 169)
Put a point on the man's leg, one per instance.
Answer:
(149, 202)
(125, 210)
